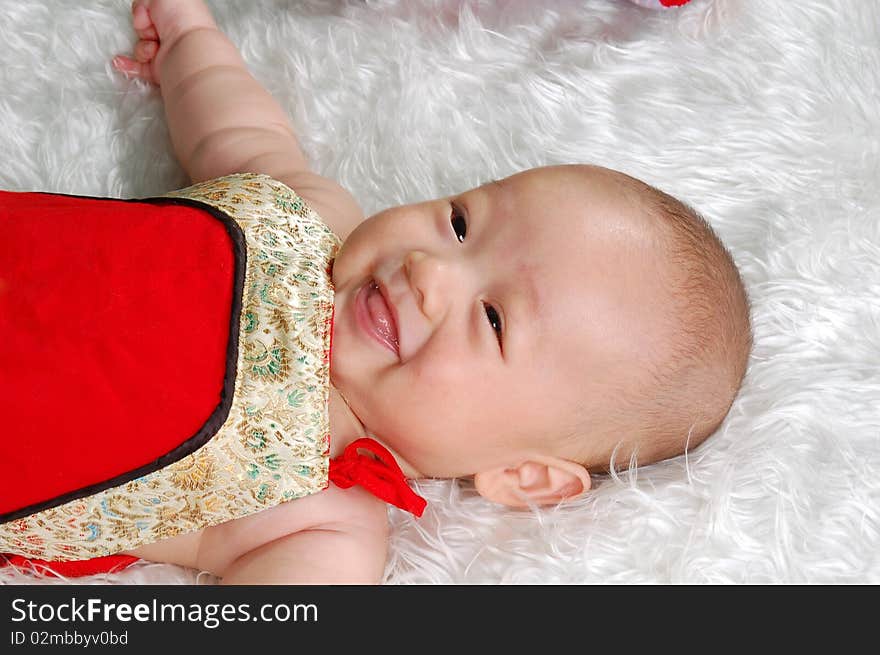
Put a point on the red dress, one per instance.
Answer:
(164, 366)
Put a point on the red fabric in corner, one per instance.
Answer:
(114, 323)
(76, 569)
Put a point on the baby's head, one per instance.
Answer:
(528, 330)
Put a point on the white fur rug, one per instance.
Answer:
(765, 114)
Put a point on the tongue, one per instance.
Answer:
(381, 315)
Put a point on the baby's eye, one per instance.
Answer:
(494, 320)
(459, 223)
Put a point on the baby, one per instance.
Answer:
(526, 333)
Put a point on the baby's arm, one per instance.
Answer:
(337, 536)
(309, 557)
(333, 537)
(221, 119)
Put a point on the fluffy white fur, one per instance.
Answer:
(761, 113)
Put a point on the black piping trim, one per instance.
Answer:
(221, 412)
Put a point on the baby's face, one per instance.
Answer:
(472, 331)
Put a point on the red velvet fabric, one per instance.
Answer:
(114, 325)
(75, 569)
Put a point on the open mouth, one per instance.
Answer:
(376, 317)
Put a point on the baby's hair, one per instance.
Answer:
(690, 387)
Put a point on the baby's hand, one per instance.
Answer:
(159, 24)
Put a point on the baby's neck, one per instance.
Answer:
(345, 427)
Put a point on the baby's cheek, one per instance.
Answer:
(437, 373)
(453, 395)
(347, 264)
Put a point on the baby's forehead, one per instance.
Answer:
(572, 207)
(578, 178)
(594, 251)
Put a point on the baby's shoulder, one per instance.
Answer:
(333, 203)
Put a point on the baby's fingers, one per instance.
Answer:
(144, 51)
(133, 68)
(142, 23)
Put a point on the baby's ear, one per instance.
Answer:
(538, 481)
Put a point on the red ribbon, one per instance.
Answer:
(382, 477)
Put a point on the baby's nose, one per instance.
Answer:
(429, 278)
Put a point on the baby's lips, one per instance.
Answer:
(385, 317)
(377, 315)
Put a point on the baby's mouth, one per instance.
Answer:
(376, 316)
